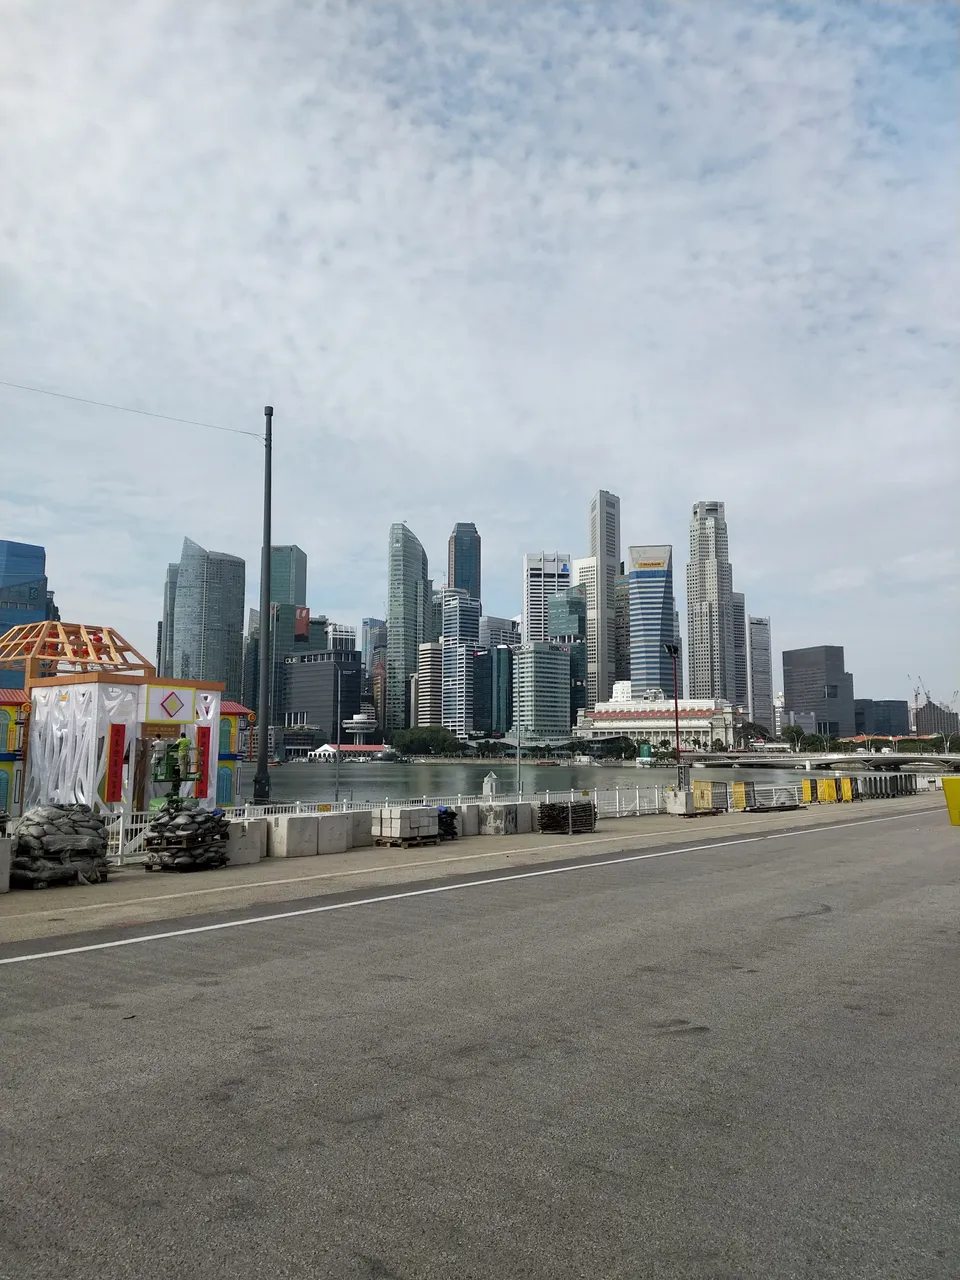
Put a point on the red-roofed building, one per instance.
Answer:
(703, 721)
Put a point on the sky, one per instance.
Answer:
(484, 259)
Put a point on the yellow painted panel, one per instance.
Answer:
(951, 793)
(846, 789)
(739, 795)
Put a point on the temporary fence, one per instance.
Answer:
(127, 832)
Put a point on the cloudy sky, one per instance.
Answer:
(483, 259)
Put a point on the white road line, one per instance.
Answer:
(434, 889)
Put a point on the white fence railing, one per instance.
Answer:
(126, 832)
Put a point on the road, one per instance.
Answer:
(728, 1061)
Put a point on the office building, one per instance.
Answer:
(740, 679)
(341, 636)
(463, 560)
(678, 640)
(24, 594)
(314, 685)
(460, 617)
(541, 693)
(494, 631)
(710, 648)
(378, 684)
(760, 674)
(493, 690)
(544, 574)
(288, 575)
(653, 620)
(457, 661)
(567, 627)
(165, 665)
(621, 665)
(605, 550)
(409, 596)
(585, 571)
(430, 684)
(703, 722)
(208, 618)
(881, 717)
(932, 718)
(814, 680)
(373, 635)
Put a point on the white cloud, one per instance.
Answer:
(484, 260)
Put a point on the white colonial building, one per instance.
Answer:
(703, 721)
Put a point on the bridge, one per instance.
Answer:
(949, 763)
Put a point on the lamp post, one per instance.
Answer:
(519, 783)
(336, 773)
(672, 649)
(261, 779)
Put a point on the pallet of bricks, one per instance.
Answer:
(405, 828)
(573, 818)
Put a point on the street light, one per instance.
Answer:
(336, 775)
(672, 649)
(261, 779)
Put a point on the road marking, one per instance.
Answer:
(435, 889)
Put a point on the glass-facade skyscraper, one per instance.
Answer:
(711, 660)
(652, 619)
(463, 560)
(208, 618)
(409, 599)
(24, 595)
(288, 575)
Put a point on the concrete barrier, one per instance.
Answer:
(469, 820)
(334, 833)
(293, 835)
(246, 841)
(524, 819)
(362, 834)
(6, 856)
(498, 819)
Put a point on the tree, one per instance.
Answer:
(718, 745)
(793, 734)
(428, 740)
(748, 731)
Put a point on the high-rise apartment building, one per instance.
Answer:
(760, 674)
(288, 575)
(409, 596)
(24, 594)
(605, 549)
(653, 620)
(740, 678)
(932, 718)
(463, 560)
(457, 661)
(208, 618)
(541, 693)
(814, 680)
(710, 650)
(495, 631)
(544, 574)
(429, 684)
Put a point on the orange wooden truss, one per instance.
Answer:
(43, 649)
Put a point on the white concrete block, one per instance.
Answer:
(362, 828)
(292, 835)
(469, 824)
(498, 819)
(247, 841)
(6, 854)
(334, 832)
(524, 821)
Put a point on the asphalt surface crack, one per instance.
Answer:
(824, 909)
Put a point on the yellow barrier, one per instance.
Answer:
(951, 793)
(702, 795)
(809, 791)
(739, 795)
(827, 790)
(846, 788)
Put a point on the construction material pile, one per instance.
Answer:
(186, 840)
(58, 844)
(572, 818)
(447, 823)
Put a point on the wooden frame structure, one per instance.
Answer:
(43, 649)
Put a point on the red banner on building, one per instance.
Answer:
(203, 760)
(113, 782)
(301, 623)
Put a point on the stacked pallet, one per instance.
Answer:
(58, 843)
(573, 818)
(186, 840)
(447, 823)
(406, 828)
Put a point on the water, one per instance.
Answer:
(382, 780)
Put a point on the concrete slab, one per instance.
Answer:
(362, 828)
(6, 854)
(334, 832)
(247, 841)
(292, 835)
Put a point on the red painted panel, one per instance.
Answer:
(113, 783)
(203, 760)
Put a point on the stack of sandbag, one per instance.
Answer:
(186, 840)
(58, 843)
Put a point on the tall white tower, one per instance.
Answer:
(710, 629)
(544, 574)
(605, 550)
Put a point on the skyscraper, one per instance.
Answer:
(759, 673)
(541, 693)
(621, 666)
(166, 623)
(710, 655)
(429, 684)
(586, 571)
(605, 549)
(568, 628)
(460, 617)
(494, 631)
(373, 636)
(24, 594)
(288, 575)
(740, 676)
(208, 618)
(653, 620)
(409, 596)
(544, 574)
(463, 560)
(814, 680)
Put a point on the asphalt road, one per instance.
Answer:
(738, 1061)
